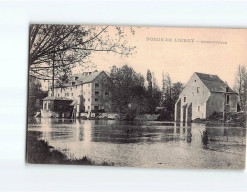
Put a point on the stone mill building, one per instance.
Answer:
(203, 95)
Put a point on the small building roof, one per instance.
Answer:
(214, 83)
(73, 103)
(56, 98)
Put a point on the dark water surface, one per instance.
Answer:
(145, 144)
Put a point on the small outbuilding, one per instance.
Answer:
(57, 107)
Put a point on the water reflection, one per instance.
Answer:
(189, 136)
(145, 143)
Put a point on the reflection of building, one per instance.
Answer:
(203, 95)
(88, 92)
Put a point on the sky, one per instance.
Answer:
(181, 52)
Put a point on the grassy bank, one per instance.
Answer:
(39, 152)
(232, 119)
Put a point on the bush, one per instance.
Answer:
(216, 116)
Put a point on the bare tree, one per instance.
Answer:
(241, 86)
(55, 49)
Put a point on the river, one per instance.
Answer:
(145, 144)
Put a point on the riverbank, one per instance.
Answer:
(39, 152)
(232, 119)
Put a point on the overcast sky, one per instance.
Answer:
(181, 59)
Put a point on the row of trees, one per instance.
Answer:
(130, 95)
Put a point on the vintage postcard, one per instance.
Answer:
(130, 96)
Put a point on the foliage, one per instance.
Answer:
(241, 87)
(129, 95)
(127, 87)
(149, 79)
(36, 94)
(171, 92)
(217, 116)
(153, 95)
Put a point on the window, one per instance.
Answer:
(76, 86)
(195, 81)
(57, 95)
(96, 85)
(106, 93)
(84, 100)
(88, 107)
(96, 99)
(198, 108)
(96, 92)
(227, 99)
(71, 89)
(184, 99)
(89, 99)
(198, 88)
(71, 94)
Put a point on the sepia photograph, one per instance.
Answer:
(137, 96)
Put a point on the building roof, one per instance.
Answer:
(214, 83)
(79, 79)
(57, 98)
(88, 78)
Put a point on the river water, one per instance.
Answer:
(145, 144)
